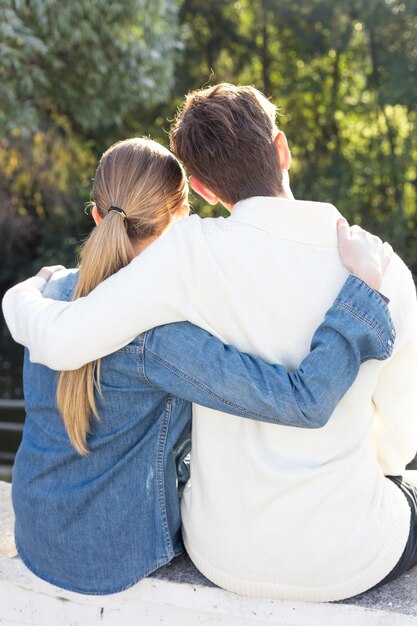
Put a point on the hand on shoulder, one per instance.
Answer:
(47, 272)
(363, 254)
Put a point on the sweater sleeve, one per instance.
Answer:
(156, 288)
(395, 396)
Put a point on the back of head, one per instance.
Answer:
(145, 180)
(224, 135)
(148, 186)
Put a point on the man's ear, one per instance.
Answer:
(283, 151)
(203, 191)
(95, 215)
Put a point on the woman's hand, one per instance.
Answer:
(363, 254)
(46, 272)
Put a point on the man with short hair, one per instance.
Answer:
(270, 511)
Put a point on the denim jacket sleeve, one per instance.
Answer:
(188, 362)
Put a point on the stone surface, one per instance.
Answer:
(400, 596)
(182, 570)
(7, 545)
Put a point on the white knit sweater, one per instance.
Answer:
(270, 511)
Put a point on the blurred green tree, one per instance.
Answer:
(70, 73)
(92, 61)
(342, 72)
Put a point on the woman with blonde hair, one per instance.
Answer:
(95, 482)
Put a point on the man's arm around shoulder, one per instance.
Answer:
(156, 288)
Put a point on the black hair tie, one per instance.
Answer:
(119, 211)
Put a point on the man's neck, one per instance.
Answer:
(286, 194)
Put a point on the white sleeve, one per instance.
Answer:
(395, 396)
(156, 288)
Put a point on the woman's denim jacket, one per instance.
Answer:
(100, 523)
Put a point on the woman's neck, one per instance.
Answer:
(140, 245)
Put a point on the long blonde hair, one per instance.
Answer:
(147, 182)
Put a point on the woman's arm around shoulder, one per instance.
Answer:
(188, 362)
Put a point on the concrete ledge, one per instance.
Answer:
(178, 594)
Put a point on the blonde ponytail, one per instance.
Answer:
(147, 182)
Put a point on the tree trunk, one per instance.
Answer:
(266, 60)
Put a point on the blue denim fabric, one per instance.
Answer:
(99, 524)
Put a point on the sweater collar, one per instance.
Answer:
(312, 223)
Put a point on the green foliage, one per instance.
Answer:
(90, 60)
(43, 187)
(87, 73)
(70, 74)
